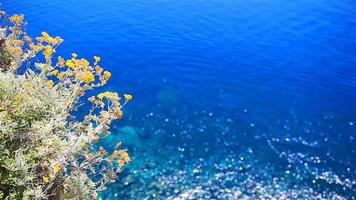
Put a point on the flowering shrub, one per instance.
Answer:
(45, 152)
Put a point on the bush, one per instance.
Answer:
(45, 151)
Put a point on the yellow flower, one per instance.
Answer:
(98, 69)
(17, 19)
(70, 63)
(54, 72)
(57, 168)
(45, 179)
(51, 175)
(47, 38)
(97, 59)
(102, 152)
(83, 62)
(89, 77)
(60, 76)
(107, 75)
(50, 83)
(36, 47)
(124, 157)
(74, 55)
(45, 34)
(48, 51)
(107, 95)
(17, 43)
(128, 96)
(101, 95)
(51, 40)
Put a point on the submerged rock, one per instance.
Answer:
(129, 136)
(169, 96)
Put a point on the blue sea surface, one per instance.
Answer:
(232, 99)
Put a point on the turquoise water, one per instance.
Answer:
(232, 99)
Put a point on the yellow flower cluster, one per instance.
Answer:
(88, 77)
(128, 96)
(54, 72)
(97, 59)
(81, 70)
(124, 157)
(50, 40)
(45, 179)
(107, 75)
(70, 63)
(36, 47)
(17, 19)
(56, 169)
(50, 83)
(48, 51)
(107, 95)
(45, 37)
(98, 69)
(17, 43)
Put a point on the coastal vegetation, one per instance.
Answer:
(46, 151)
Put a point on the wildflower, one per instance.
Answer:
(89, 77)
(44, 34)
(36, 47)
(111, 175)
(102, 152)
(83, 63)
(59, 39)
(17, 19)
(97, 59)
(45, 179)
(57, 168)
(107, 95)
(48, 51)
(70, 63)
(118, 114)
(16, 51)
(128, 96)
(61, 61)
(54, 72)
(51, 175)
(101, 95)
(98, 69)
(111, 158)
(107, 75)
(17, 43)
(124, 158)
(51, 40)
(50, 83)
(91, 156)
(74, 55)
(47, 38)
